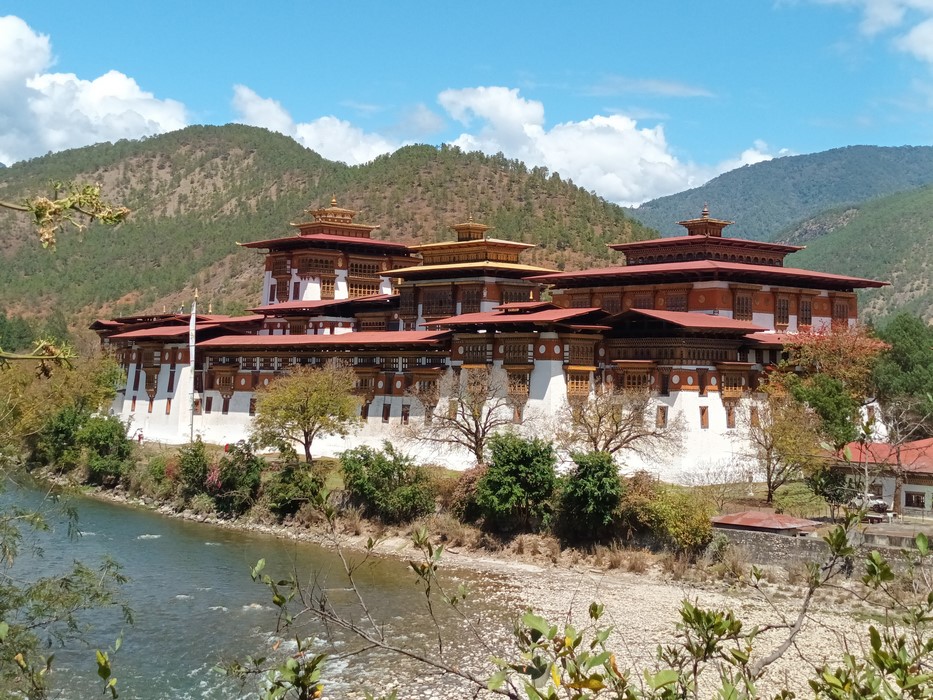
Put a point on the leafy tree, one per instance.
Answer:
(590, 497)
(616, 420)
(905, 368)
(389, 484)
(193, 467)
(463, 410)
(519, 483)
(106, 449)
(839, 412)
(305, 404)
(783, 441)
(833, 486)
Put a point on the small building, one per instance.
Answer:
(901, 475)
(762, 521)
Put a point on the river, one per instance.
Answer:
(195, 605)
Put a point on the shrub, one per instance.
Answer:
(193, 467)
(291, 487)
(57, 441)
(102, 440)
(389, 485)
(463, 500)
(680, 522)
(590, 498)
(234, 481)
(518, 486)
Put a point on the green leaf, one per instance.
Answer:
(497, 679)
(4, 631)
(662, 679)
(923, 544)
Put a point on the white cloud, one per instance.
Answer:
(611, 154)
(333, 138)
(910, 22)
(918, 41)
(42, 111)
(622, 85)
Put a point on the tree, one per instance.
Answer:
(306, 403)
(615, 420)
(590, 498)
(518, 485)
(833, 486)
(70, 203)
(463, 409)
(905, 367)
(782, 439)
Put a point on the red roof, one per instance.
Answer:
(523, 305)
(769, 338)
(698, 240)
(292, 241)
(319, 303)
(496, 317)
(162, 331)
(915, 457)
(715, 269)
(369, 338)
(758, 520)
(700, 321)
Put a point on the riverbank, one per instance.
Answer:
(642, 603)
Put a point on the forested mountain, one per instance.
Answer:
(196, 192)
(769, 197)
(889, 239)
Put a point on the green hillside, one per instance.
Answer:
(196, 192)
(890, 239)
(768, 197)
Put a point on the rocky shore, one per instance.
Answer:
(642, 607)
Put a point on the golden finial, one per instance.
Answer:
(705, 211)
(210, 306)
(195, 293)
(333, 200)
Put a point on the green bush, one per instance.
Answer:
(57, 441)
(233, 482)
(673, 517)
(517, 489)
(193, 467)
(590, 500)
(463, 499)
(291, 487)
(389, 485)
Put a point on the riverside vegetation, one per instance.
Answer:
(517, 501)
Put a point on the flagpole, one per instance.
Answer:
(192, 323)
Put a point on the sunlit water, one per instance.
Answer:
(195, 604)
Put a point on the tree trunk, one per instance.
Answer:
(307, 444)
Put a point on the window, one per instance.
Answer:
(635, 379)
(578, 383)
(197, 407)
(168, 406)
(840, 311)
(759, 357)
(730, 414)
(327, 288)
(579, 301)
(805, 313)
(252, 407)
(406, 412)
(296, 291)
(643, 300)
(386, 412)
(225, 406)
(437, 302)
(136, 379)
(151, 402)
(581, 354)
(660, 419)
(272, 293)
(665, 384)
(611, 303)
(676, 302)
(519, 383)
(701, 382)
(915, 499)
(470, 299)
(782, 311)
(704, 417)
(208, 404)
(364, 411)
(754, 417)
(515, 354)
(742, 307)
(171, 379)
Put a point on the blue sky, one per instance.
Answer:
(631, 99)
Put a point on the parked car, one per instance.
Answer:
(869, 502)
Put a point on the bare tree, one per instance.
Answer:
(463, 409)
(720, 481)
(617, 420)
(782, 439)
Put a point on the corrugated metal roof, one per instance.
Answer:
(759, 520)
(497, 317)
(326, 238)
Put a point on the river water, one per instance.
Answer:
(195, 605)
